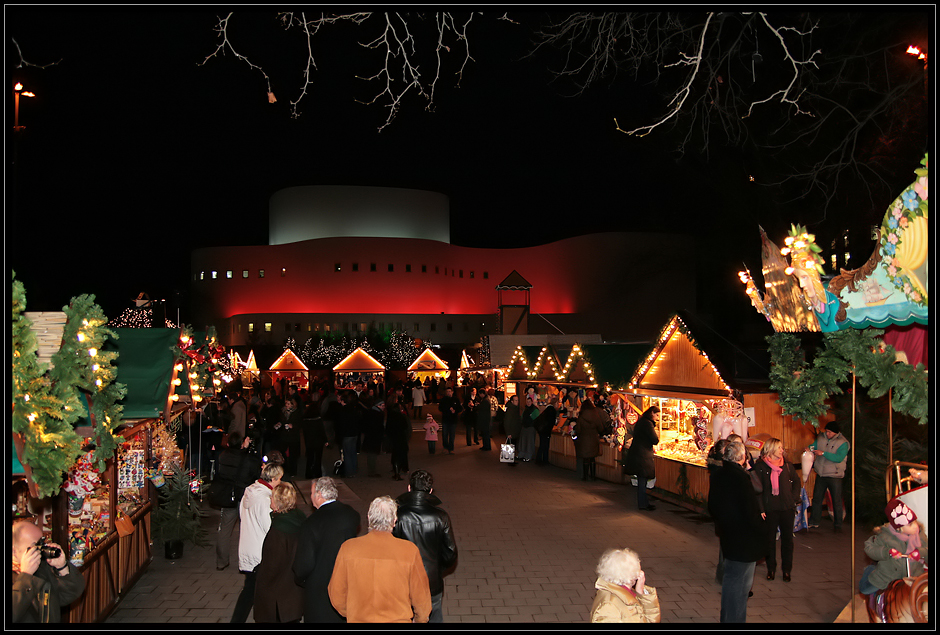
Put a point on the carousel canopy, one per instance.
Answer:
(359, 361)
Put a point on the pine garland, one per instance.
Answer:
(803, 388)
(47, 403)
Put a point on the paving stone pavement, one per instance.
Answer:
(528, 539)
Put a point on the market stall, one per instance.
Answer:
(698, 406)
(428, 366)
(288, 366)
(358, 365)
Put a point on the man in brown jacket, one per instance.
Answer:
(378, 577)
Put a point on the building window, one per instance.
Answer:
(251, 327)
(424, 268)
(337, 268)
(471, 274)
(228, 274)
(335, 326)
(372, 266)
(267, 327)
(407, 268)
(416, 327)
(215, 275)
(316, 327)
(260, 273)
(287, 326)
(283, 272)
(309, 327)
(326, 328)
(445, 271)
(345, 327)
(450, 326)
(239, 327)
(482, 326)
(244, 273)
(297, 327)
(461, 273)
(433, 326)
(363, 327)
(466, 326)
(437, 269)
(391, 267)
(486, 275)
(355, 266)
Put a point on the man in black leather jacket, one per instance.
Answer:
(428, 527)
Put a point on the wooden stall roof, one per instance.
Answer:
(359, 361)
(428, 361)
(536, 364)
(288, 361)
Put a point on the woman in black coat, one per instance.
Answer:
(398, 429)
(639, 460)
(779, 497)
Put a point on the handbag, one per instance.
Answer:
(507, 451)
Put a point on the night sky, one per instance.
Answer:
(134, 154)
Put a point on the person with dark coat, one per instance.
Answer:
(421, 521)
(348, 428)
(470, 418)
(320, 537)
(484, 417)
(592, 422)
(398, 429)
(450, 409)
(526, 427)
(314, 434)
(544, 425)
(780, 494)
(42, 587)
(373, 433)
(278, 597)
(239, 466)
(734, 505)
(292, 432)
(639, 459)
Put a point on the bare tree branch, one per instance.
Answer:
(22, 61)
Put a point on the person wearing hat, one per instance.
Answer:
(899, 550)
(831, 450)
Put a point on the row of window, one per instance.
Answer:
(230, 274)
(360, 327)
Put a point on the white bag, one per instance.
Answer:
(507, 451)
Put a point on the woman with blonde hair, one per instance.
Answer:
(622, 593)
(278, 598)
(779, 497)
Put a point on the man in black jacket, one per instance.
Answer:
(42, 586)
(321, 536)
(427, 526)
(733, 504)
(450, 408)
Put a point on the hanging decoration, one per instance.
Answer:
(200, 366)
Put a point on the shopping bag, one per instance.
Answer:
(507, 451)
(801, 521)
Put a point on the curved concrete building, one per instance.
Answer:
(328, 211)
(621, 285)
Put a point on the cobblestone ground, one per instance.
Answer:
(529, 538)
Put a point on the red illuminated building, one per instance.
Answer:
(347, 258)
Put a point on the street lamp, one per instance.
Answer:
(17, 91)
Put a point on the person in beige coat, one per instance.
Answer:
(622, 594)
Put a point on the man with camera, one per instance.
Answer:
(43, 579)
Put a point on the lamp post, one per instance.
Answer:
(17, 91)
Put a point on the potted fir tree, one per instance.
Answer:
(177, 517)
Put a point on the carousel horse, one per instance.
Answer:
(905, 601)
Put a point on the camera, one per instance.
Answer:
(48, 552)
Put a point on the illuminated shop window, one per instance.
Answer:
(228, 274)
(267, 327)
(407, 268)
(244, 273)
(215, 275)
(355, 266)
(260, 273)
(337, 267)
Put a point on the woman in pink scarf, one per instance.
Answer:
(780, 496)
